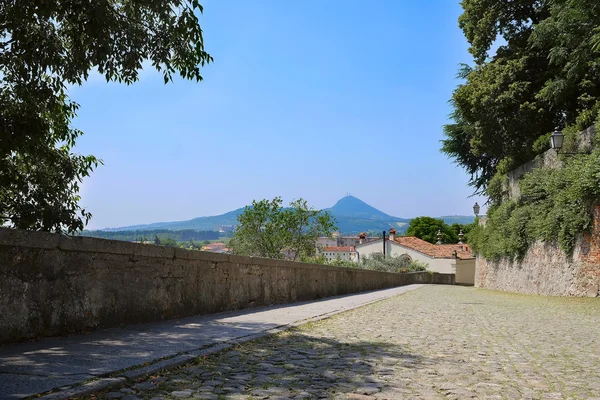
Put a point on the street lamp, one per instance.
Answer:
(476, 209)
(556, 140)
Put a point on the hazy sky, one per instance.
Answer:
(309, 99)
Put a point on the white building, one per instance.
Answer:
(337, 240)
(441, 258)
(347, 253)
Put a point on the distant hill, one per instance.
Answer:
(199, 224)
(350, 206)
(352, 215)
(458, 219)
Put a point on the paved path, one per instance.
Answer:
(439, 342)
(30, 368)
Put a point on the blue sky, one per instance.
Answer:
(310, 99)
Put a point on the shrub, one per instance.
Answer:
(555, 206)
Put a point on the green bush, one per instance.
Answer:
(392, 264)
(555, 206)
(497, 188)
(376, 262)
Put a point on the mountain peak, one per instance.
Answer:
(355, 207)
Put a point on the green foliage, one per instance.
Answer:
(267, 229)
(555, 206)
(168, 242)
(497, 189)
(47, 45)
(542, 143)
(376, 262)
(546, 74)
(400, 264)
(464, 228)
(338, 262)
(426, 228)
(571, 140)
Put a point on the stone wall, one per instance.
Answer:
(52, 284)
(546, 269)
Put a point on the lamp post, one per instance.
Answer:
(476, 209)
(556, 142)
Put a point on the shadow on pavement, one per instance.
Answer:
(293, 364)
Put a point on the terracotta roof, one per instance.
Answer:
(339, 249)
(434, 250)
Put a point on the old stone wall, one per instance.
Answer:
(52, 284)
(546, 269)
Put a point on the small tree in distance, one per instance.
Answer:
(267, 229)
(426, 228)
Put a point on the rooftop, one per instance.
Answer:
(435, 250)
(463, 251)
(340, 249)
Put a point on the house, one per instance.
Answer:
(226, 228)
(442, 258)
(347, 253)
(338, 240)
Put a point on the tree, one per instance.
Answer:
(426, 228)
(464, 228)
(168, 242)
(267, 229)
(545, 74)
(47, 45)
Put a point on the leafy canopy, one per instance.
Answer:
(47, 45)
(376, 262)
(267, 229)
(544, 74)
(426, 228)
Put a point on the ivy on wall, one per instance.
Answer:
(555, 206)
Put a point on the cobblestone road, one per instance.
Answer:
(436, 342)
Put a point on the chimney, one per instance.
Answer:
(392, 234)
(439, 237)
(362, 238)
